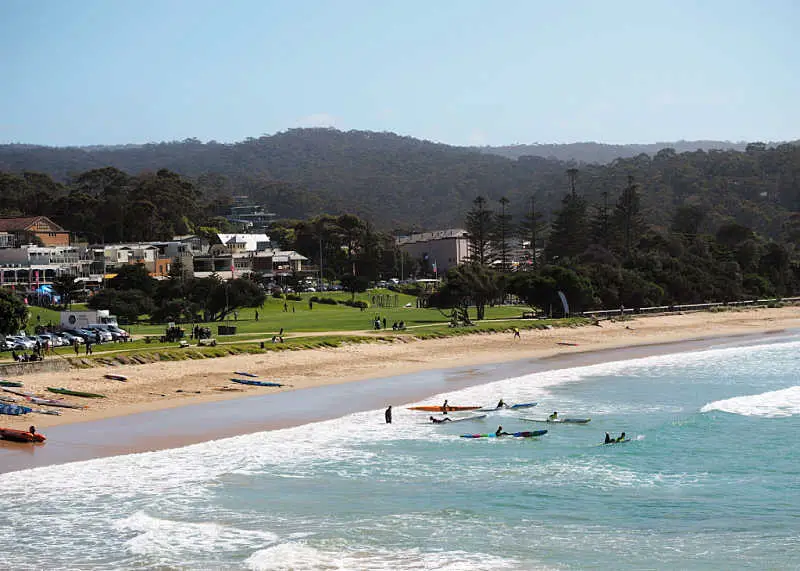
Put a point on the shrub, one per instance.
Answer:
(277, 295)
(327, 300)
(293, 297)
(360, 304)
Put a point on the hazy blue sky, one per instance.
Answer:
(457, 71)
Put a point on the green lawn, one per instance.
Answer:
(298, 319)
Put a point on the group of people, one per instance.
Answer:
(25, 357)
(610, 440)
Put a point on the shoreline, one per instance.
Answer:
(158, 392)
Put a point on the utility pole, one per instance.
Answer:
(533, 231)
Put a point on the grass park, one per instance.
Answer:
(305, 326)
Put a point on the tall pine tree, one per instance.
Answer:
(531, 230)
(479, 225)
(501, 234)
(627, 221)
(569, 235)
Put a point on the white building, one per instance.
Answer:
(442, 249)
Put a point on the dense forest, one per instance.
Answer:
(397, 183)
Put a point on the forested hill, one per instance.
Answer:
(405, 183)
(602, 153)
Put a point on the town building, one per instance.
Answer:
(23, 230)
(245, 242)
(249, 216)
(439, 250)
(30, 267)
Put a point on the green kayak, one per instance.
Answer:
(76, 393)
(9, 383)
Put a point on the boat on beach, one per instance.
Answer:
(63, 391)
(53, 402)
(242, 373)
(14, 409)
(4, 383)
(20, 435)
(116, 377)
(257, 383)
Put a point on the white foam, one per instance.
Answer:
(167, 537)
(297, 556)
(772, 404)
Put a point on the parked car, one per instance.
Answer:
(87, 336)
(116, 333)
(102, 334)
(70, 338)
(114, 329)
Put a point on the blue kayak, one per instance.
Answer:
(14, 409)
(256, 383)
(524, 434)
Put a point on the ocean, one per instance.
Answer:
(709, 480)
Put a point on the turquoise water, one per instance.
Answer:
(710, 480)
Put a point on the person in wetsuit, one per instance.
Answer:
(435, 420)
(501, 404)
(553, 416)
(444, 407)
(621, 438)
(388, 415)
(500, 432)
(608, 439)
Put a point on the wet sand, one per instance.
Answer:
(148, 412)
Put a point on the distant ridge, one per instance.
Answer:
(602, 153)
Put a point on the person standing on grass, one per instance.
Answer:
(256, 315)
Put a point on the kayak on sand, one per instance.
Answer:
(523, 434)
(63, 391)
(256, 383)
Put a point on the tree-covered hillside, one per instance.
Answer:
(404, 183)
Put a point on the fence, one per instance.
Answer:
(688, 307)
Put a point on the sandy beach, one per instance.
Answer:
(168, 385)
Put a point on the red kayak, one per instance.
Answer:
(20, 435)
(434, 408)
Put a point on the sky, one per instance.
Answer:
(462, 72)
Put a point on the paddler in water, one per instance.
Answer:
(608, 439)
(621, 438)
(435, 420)
(501, 404)
(553, 416)
(444, 407)
(388, 415)
(32, 430)
(500, 432)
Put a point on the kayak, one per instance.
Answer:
(244, 374)
(116, 377)
(559, 420)
(16, 392)
(524, 434)
(509, 407)
(448, 420)
(14, 409)
(20, 435)
(431, 408)
(256, 383)
(72, 393)
(54, 402)
(9, 383)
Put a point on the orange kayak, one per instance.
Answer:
(20, 435)
(440, 409)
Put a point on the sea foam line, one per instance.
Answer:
(772, 404)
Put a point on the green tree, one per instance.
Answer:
(627, 222)
(66, 286)
(501, 233)
(479, 226)
(465, 285)
(569, 236)
(532, 230)
(127, 304)
(13, 313)
(354, 284)
(133, 276)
